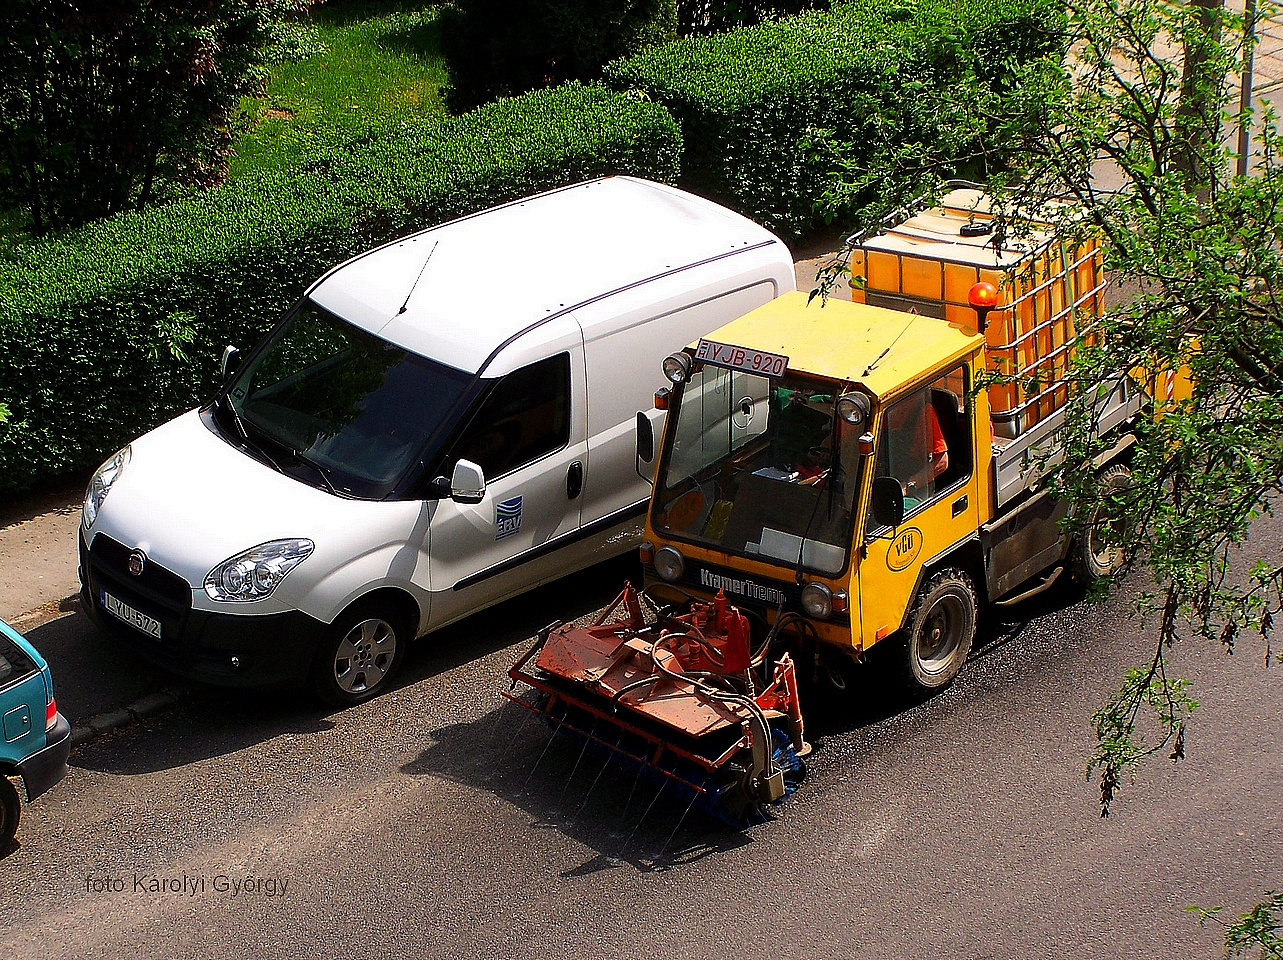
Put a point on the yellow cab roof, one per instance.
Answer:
(838, 339)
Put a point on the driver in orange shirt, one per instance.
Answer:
(916, 452)
(939, 449)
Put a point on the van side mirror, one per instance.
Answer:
(231, 360)
(887, 502)
(645, 443)
(467, 483)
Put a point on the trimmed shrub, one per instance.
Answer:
(769, 113)
(503, 47)
(109, 330)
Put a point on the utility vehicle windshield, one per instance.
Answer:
(351, 407)
(760, 467)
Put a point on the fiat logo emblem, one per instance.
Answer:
(137, 560)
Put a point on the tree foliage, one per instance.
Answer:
(1136, 133)
(103, 103)
(1130, 139)
(1256, 933)
(712, 16)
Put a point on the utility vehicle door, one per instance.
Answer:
(926, 441)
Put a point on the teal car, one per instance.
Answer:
(37, 738)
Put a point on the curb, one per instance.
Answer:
(91, 728)
(50, 610)
(100, 724)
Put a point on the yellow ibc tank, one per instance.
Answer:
(1048, 292)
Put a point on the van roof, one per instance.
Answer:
(486, 278)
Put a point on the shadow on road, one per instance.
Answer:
(576, 596)
(508, 752)
(1001, 625)
(215, 722)
(212, 724)
(91, 674)
(628, 819)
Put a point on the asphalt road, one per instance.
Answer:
(434, 822)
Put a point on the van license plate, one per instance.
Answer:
(136, 619)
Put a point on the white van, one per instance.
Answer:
(439, 424)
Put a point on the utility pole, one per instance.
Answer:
(1245, 92)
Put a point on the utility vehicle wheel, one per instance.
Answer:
(941, 630)
(10, 812)
(1098, 553)
(360, 652)
(837, 673)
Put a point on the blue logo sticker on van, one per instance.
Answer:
(507, 518)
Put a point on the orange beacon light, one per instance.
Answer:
(983, 297)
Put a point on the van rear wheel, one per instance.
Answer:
(10, 813)
(359, 654)
(941, 630)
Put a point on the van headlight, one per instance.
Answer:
(100, 485)
(254, 574)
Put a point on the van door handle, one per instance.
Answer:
(959, 505)
(574, 480)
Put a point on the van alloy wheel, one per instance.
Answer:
(365, 656)
(359, 654)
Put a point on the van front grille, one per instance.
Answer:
(110, 559)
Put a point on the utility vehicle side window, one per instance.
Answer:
(525, 417)
(926, 439)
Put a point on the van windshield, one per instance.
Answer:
(760, 467)
(341, 402)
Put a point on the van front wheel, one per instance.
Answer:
(360, 652)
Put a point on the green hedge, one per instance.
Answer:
(763, 108)
(108, 331)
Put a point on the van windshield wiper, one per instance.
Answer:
(321, 472)
(236, 417)
(256, 448)
(248, 442)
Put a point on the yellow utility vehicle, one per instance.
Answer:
(837, 460)
(843, 475)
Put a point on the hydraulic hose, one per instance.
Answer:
(760, 744)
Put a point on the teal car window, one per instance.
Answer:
(14, 664)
